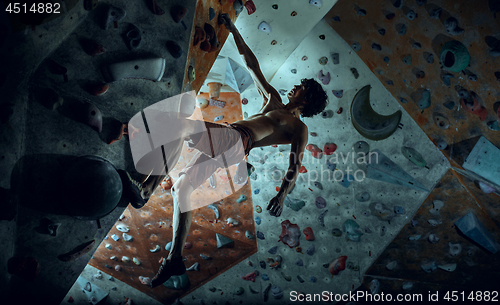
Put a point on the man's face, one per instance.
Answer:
(297, 93)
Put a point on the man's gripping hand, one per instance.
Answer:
(225, 20)
(275, 206)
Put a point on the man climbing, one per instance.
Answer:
(276, 123)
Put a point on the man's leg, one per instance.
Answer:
(173, 264)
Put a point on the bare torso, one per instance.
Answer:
(274, 125)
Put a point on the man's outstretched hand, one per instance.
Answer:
(275, 206)
(225, 20)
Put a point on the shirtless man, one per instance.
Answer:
(276, 123)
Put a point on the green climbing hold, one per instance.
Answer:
(294, 204)
(241, 199)
(223, 242)
(240, 291)
(337, 232)
(412, 155)
(454, 56)
(286, 277)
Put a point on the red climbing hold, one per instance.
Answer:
(250, 7)
(308, 232)
(329, 148)
(290, 234)
(315, 151)
(337, 265)
(199, 36)
(303, 169)
(97, 89)
(250, 276)
(274, 145)
(474, 107)
(244, 101)
(340, 110)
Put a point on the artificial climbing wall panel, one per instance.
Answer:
(432, 237)
(396, 38)
(151, 226)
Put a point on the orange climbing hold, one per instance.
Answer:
(337, 265)
(308, 232)
(303, 169)
(315, 151)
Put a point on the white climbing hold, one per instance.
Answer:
(218, 118)
(122, 228)
(231, 221)
(156, 249)
(127, 237)
(448, 267)
(265, 27)
(201, 103)
(317, 3)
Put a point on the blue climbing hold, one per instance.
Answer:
(264, 277)
(386, 59)
(273, 250)
(256, 191)
(260, 235)
(313, 279)
(336, 18)
(241, 199)
(346, 181)
(257, 220)
(338, 93)
(331, 166)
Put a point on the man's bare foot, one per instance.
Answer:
(168, 268)
(241, 176)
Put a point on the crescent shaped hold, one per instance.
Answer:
(369, 123)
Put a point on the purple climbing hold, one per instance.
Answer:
(338, 93)
(325, 79)
(320, 202)
(311, 250)
(260, 235)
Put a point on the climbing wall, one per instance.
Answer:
(304, 266)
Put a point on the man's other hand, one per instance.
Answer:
(225, 20)
(275, 206)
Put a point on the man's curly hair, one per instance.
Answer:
(315, 98)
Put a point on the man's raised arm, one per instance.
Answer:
(265, 89)
(299, 142)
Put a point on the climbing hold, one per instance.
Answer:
(433, 238)
(125, 259)
(168, 246)
(448, 267)
(397, 3)
(336, 232)
(434, 222)
(294, 204)
(454, 56)
(470, 226)
(441, 144)
(473, 106)
(133, 37)
(293, 71)
(329, 148)
(318, 185)
(250, 6)
(354, 72)
(240, 290)
(223, 242)
(336, 18)
(264, 27)
(251, 276)
(417, 45)
(446, 78)
(441, 121)
(337, 265)
(411, 15)
(320, 202)
(421, 2)
(414, 237)
(356, 46)
(383, 229)
(462, 93)
(351, 228)
(325, 79)
(369, 123)
(92, 48)
(338, 93)
(303, 169)
(275, 6)
(425, 101)
(429, 267)
(322, 37)
(241, 198)
(311, 250)
(276, 291)
(127, 237)
(331, 166)
(407, 59)
(299, 263)
(390, 16)
(215, 209)
(273, 250)
(178, 12)
(113, 14)
(336, 58)
(360, 11)
(414, 156)
(435, 13)
(451, 26)
(321, 218)
(390, 82)
(391, 266)
(316, 152)
(363, 197)
(290, 234)
(346, 181)
(381, 31)
(203, 256)
(218, 118)
(317, 3)
(308, 232)
(323, 60)
(401, 28)
(376, 47)
(194, 267)
(455, 249)
(399, 210)
(156, 249)
(429, 57)
(381, 211)
(174, 48)
(293, 14)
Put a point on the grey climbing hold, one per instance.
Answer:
(403, 100)
(273, 250)
(363, 197)
(327, 114)
(133, 37)
(282, 91)
(252, 290)
(249, 235)
(407, 59)
(321, 218)
(356, 46)
(318, 185)
(203, 256)
(354, 72)
(215, 209)
(407, 286)
(417, 45)
(194, 267)
(399, 210)
(441, 144)
(300, 279)
(241, 198)
(311, 250)
(434, 222)
(471, 227)
(381, 211)
(168, 246)
(386, 59)
(294, 204)
(433, 238)
(317, 3)
(448, 267)
(293, 71)
(429, 57)
(401, 28)
(435, 13)
(265, 27)
(351, 228)
(336, 232)
(451, 26)
(438, 204)
(114, 14)
(455, 249)
(411, 15)
(414, 237)
(276, 291)
(127, 237)
(374, 286)
(429, 267)
(446, 78)
(239, 291)
(391, 266)
(421, 2)
(335, 58)
(376, 47)
(381, 31)
(223, 241)
(238, 7)
(338, 93)
(425, 101)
